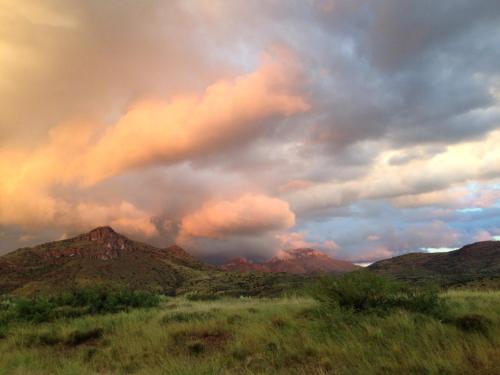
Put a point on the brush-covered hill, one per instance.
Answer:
(103, 256)
(99, 256)
(296, 261)
(475, 263)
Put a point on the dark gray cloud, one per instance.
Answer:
(404, 100)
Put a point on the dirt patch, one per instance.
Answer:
(80, 337)
(73, 339)
(473, 323)
(202, 341)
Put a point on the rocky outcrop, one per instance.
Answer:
(297, 261)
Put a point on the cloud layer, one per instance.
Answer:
(246, 215)
(363, 128)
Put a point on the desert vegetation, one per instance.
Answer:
(356, 324)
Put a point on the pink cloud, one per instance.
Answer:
(296, 240)
(248, 214)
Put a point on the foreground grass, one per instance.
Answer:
(259, 336)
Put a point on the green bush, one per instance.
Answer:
(78, 302)
(35, 310)
(364, 291)
(102, 300)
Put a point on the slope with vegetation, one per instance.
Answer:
(103, 256)
(477, 264)
(359, 324)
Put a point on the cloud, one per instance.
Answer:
(232, 111)
(483, 235)
(369, 119)
(390, 242)
(247, 215)
(150, 133)
(296, 240)
(460, 163)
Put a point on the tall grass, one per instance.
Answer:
(366, 292)
(259, 336)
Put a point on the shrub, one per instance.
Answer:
(35, 310)
(78, 302)
(364, 291)
(102, 300)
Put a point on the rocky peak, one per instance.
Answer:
(301, 253)
(176, 250)
(109, 244)
(101, 234)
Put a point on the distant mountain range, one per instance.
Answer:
(104, 256)
(297, 261)
(472, 263)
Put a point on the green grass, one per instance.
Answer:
(287, 335)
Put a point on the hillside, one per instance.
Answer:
(296, 261)
(103, 256)
(472, 263)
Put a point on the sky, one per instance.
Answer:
(366, 129)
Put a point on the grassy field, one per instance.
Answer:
(288, 335)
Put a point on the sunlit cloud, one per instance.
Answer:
(246, 128)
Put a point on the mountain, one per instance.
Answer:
(101, 255)
(243, 265)
(296, 261)
(478, 261)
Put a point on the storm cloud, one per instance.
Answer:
(364, 128)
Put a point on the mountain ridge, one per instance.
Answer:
(105, 256)
(471, 262)
(296, 261)
(101, 255)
